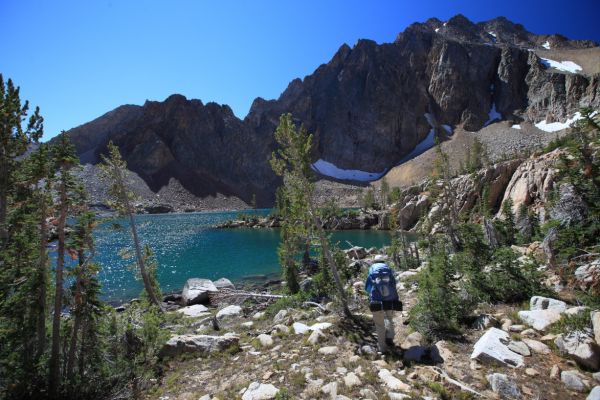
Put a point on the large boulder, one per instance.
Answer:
(546, 303)
(229, 312)
(581, 347)
(196, 291)
(540, 319)
(202, 344)
(492, 347)
(260, 391)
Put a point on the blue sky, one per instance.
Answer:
(80, 59)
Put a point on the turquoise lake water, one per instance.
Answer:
(187, 246)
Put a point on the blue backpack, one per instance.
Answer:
(381, 284)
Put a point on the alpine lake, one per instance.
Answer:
(189, 246)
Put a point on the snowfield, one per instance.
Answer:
(557, 126)
(328, 169)
(516, 126)
(546, 45)
(566, 66)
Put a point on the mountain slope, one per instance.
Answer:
(368, 107)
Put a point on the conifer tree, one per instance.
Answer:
(114, 170)
(292, 162)
(65, 159)
(14, 141)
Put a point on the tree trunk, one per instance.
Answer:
(330, 260)
(78, 314)
(43, 261)
(54, 373)
(3, 198)
(141, 264)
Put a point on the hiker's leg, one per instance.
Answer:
(378, 319)
(389, 326)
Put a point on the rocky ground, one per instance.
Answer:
(510, 351)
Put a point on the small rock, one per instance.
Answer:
(398, 396)
(368, 394)
(555, 372)
(223, 283)
(485, 321)
(260, 391)
(316, 337)
(577, 310)
(280, 316)
(321, 326)
(259, 315)
(506, 324)
(300, 328)
(328, 350)
(519, 348)
(280, 328)
(265, 340)
(391, 381)
(531, 372)
(180, 344)
(595, 316)
(247, 324)
(529, 333)
(505, 387)
(573, 380)
(517, 328)
(596, 376)
(351, 380)
(537, 347)
(330, 388)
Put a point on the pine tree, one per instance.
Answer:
(114, 170)
(292, 162)
(14, 141)
(65, 159)
(385, 191)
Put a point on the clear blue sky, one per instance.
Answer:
(80, 59)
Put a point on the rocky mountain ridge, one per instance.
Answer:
(368, 107)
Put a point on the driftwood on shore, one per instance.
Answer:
(225, 295)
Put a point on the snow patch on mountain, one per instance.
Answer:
(546, 45)
(557, 126)
(567, 66)
(328, 169)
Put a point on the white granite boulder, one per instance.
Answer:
(202, 344)
(540, 319)
(196, 311)
(196, 291)
(492, 347)
(581, 347)
(260, 391)
(229, 312)
(546, 303)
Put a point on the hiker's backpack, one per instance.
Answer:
(382, 285)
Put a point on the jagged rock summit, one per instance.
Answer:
(369, 107)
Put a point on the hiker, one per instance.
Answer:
(383, 301)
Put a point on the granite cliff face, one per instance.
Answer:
(367, 107)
